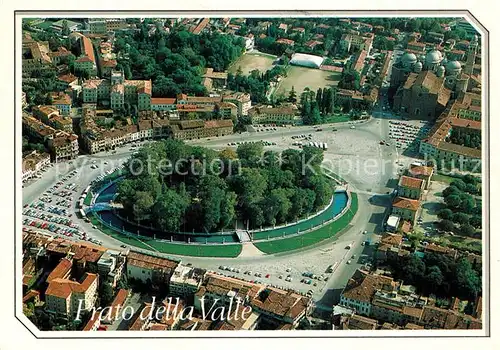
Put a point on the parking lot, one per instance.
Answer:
(56, 210)
(407, 134)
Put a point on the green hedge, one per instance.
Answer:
(310, 238)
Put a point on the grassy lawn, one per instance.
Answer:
(221, 251)
(302, 77)
(443, 178)
(88, 199)
(310, 238)
(250, 62)
(215, 251)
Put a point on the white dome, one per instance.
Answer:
(408, 58)
(302, 59)
(453, 65)
(441, 69)
(433, 57)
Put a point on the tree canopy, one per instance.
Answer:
(180, 188)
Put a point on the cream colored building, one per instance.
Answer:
(63, 296)
(273, 115)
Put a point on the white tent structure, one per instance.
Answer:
(305, 60)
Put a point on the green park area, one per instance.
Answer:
(310, 238)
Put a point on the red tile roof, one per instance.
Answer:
(411, 182)
(61, 270)
(405, 203)
(62, 288)
(162, 100)
(199, 28)
(421, 170)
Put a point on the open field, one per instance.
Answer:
(302, 77)
(211, 251)
(443, 178)
(307, 239)
(250, 62)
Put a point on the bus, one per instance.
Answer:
(331, 268)
(316, 145)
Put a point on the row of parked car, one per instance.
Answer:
(48, 217)
(69, 232)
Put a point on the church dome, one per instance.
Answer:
(433, 57)
(418, 67)
(408, 59)
(453, 65)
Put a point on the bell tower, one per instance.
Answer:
(471, 56)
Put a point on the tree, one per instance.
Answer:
(212, 192)
(349, 80)
(312, 156)
(471, 188)
(467, 203)
(321, 187)
(106, 294)
(250, 154)
(413, 269)
(460, 218)
(271, 159)
(65, 28)
(228, 153)
(446, 214)
(302, 203)
(467, 281)
(319, 97)
(453, 201)
(433, 278)
(142, 206)
(228, 212)
(169, 210)
(470, 179)
(467, 230)
(446, 225)
(292, 97)
(292, 160)
(476, 221)
(451, 190)
(458, 184)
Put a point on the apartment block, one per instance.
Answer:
(149, 268)
(185, 281)
(33, 162)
